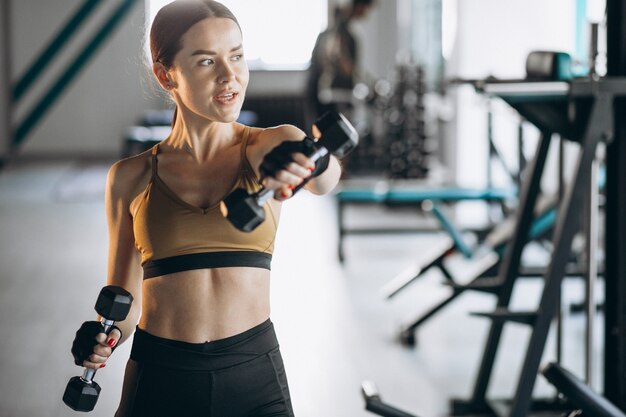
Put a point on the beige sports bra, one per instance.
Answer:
(173, 235)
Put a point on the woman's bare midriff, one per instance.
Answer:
(206, 304)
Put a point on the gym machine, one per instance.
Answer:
(398, 147)
(427, 198)
(481, 271)
(578, 399)
(583, 111)
(579, 396)
(397, 141)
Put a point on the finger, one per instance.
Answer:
(101, 338)
(299, 167)
(283, 194)
(282, 179)
(96, 359)
(304, 161)
(93, 365)
(113, 338)
(287, 178)
(271, 183)
(102, 351)
(316, 132)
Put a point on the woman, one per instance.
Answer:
(334, 61)
(204, 344)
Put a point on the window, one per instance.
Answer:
(277, 34)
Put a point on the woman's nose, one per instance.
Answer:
(226, 73)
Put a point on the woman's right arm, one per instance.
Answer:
(124, 269)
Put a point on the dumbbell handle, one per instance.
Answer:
(90, 373)
(264, 194)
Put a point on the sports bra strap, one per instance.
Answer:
(244, 142)
(155, 151)
(246, 169)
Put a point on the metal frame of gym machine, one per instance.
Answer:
(615, 267)
(596, 106)
(592, 102)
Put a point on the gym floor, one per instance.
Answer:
(334, 326)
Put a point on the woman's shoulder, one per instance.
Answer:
(127, 176)
(272, 136)
(263, 140)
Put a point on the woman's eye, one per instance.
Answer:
(206, 62)
(238, 57)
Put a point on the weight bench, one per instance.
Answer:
(486, 259)
(578, 394)
(427, 198)
(375, 404)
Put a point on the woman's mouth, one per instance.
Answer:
(226, 98)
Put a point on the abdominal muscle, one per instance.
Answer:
(198, 306)
(203, 305)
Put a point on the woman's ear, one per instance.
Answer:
(163, 76)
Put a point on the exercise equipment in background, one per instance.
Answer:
(582, 112)
(579, 396)
(416, 195)
(479, 273)
(397, 140)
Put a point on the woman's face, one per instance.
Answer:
(210, 73)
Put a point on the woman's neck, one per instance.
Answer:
(202, 139)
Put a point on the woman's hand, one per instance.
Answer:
(92, 347)
(285, 167)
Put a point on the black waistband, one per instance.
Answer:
(208, 356)
(159, 267)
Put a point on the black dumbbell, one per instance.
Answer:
(113, 305)
(338, 137)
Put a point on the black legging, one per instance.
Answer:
(240, 376)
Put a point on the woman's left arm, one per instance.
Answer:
(327, 180)
(284, 180)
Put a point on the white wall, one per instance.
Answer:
(107, 95)
(378, 42)
(493, 38)
(113, 89)
(378, 34)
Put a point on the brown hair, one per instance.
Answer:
(174, 20)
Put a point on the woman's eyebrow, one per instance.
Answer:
(208, 52)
